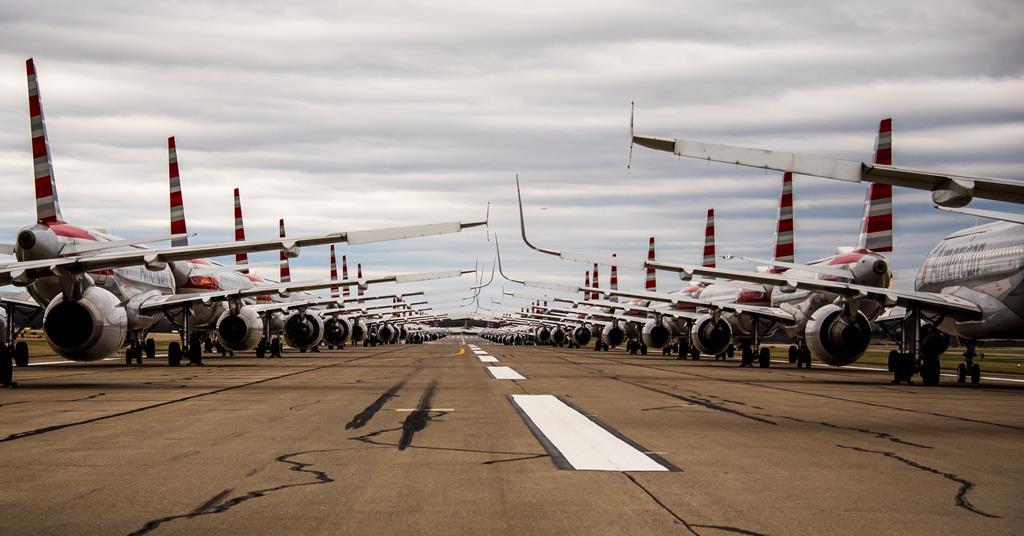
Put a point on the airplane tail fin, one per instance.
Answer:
(784, 247)
(586, 283)
(286, 271)
(596, 281)
(335, 292)
(709, 240)
(359, 275)
(344, 274)
(876, 227)
(177, 205)
(614, 284)
(47, 205)
(241, 259)
(651, 281)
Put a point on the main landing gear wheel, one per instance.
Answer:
(930, 369)
(746, 356)
(764, 357)
(275, 347)
(150, 348)
(261, 348)
(794, 354)
(174, 354)
(6, 367)
(643, 349)
(904, 369)
(21, 354)
(730, 351)
(975, 374)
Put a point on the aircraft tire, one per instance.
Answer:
(21, 354)
(764, 358)
(961, 373)
(975, 374)
(930, 369)
(174, 354)
(150, 348)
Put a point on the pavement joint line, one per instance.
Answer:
(56, 427)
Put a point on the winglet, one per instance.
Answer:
(522, 224)
(497, 250)
(632, 108)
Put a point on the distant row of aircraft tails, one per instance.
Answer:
(969, 287)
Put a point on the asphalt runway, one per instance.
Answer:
(439, 439)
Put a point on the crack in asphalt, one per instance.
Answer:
(961, 494)
(679, 519)
(90, 397)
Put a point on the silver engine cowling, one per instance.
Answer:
(91, 328)
(835, 338)
(239, 332)
(581, 335)
(337, 330)
(386, 332)
(613, 335)
(543, 335)
(709, 336)
(303, 330)
(558, 336)
(359, 331)
(658, 333)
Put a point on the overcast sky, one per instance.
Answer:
(354, 115)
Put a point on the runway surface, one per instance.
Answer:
(438, 439)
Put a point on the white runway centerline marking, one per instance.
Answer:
(504, 373)
(578, 442)
(487, 358)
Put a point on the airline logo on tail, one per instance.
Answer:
(651, 282)
(709, 240)
(335, 293)
(286, 272)
(177, 205)
(785, 250)
(241, 259)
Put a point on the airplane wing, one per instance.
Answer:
(22, 273)
(988, 214)
(947, 189)
(159, 303)
(19, 302)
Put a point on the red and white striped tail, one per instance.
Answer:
(784, 247)
(709, 240)
(876, 227)
(241, 259)
(177, 205)
(614, 283)
(651, 281)
(47, 205)
(359, 275)
(344, 274)
(596, 282)
(335, 292)
(286, 272)
(586, 283)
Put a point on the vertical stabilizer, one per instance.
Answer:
(335, 292)
(614, 283)
(177, 204)
(784, 250)
(876, 226)
(286, 272)
(47, 205)
(241, 259)
(709, 240)
(596, 282)
(586, 283)
(651, 281)
(359, 276)
(344, 274)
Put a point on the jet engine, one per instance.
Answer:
(303, 330)
(658, 333)
(239, 332)
(558, 336)
(337, 330)
(359, 331)
(581, 335)
(386, 332)
(711, 336)
(90, 328)
(543, 335)
(835, 338)
(613, 335)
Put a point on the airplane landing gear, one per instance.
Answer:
(969, 368)
(275, 347)
(261, 348)
(21, 354)
(764, 357)
(150, 348)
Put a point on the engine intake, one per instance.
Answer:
(337, 330)
(91, 328)
(658, 334)
(239, 332)
(835, 338)
(303, 330)
(581, 335)
(613, 335)
(711, 337)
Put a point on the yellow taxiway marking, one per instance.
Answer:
(460, 352)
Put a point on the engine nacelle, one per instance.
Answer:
(835, 338)
(402, 333)
(613, 335)
(303, 330)
(359, 331)
(658, 333)
(239, 332)
(581, 335)
(386, 332)
(337, 330)
(543, 335)
(711, 337)
(91, 328)
(558, 336)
